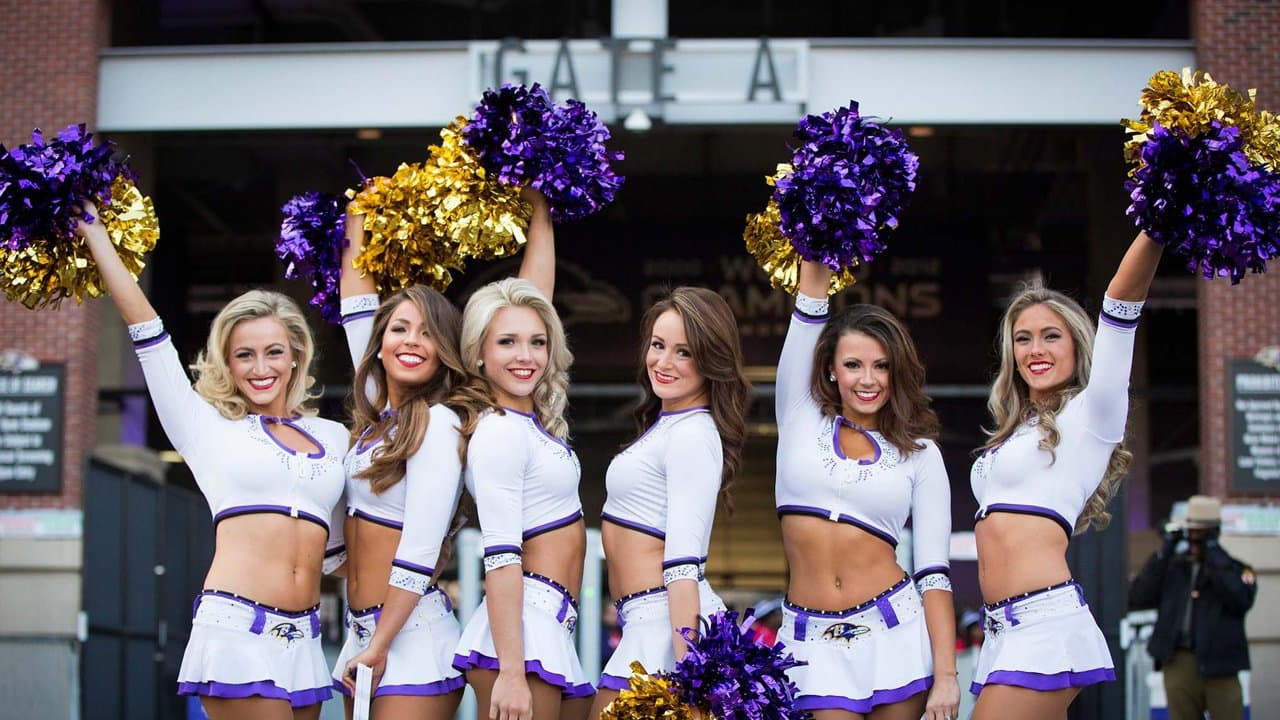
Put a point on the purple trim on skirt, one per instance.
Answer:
(1039, 681)
(613, 682)
(531, 667)
(439, 687)
(864, 705)
(261, 688)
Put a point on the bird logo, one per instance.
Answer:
(844, 631)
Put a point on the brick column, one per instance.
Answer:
(1238, 42)
(49, 56)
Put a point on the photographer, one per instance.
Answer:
(1202, 595)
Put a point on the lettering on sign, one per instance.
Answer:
(31, 430)
(1254, 417)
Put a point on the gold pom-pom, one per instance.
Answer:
(401, 246)
(774, 252)
(52, 269)
(1188, 102)
(648, 697)
(481, 217)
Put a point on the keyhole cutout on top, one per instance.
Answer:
(855, 443)
(291, 437)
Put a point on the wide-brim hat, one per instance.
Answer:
(1203, 511)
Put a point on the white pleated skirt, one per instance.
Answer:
(645, 619)
(420, 658)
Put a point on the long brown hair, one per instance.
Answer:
(906, 418)
(712, 332)
(443, 323)
(1010, 400)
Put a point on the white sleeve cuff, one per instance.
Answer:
(816, 307)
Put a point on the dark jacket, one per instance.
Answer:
(1226, 592)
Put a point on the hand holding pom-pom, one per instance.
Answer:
(775, 253)
(312, 236)
(850, 180)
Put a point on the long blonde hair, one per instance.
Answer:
(1010, 400)
(443, 323)
(214, 381)
(551, 394)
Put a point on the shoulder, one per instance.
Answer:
(328, 430)
(929, 452)
(694, 430)
(499, 426)
(441, 413)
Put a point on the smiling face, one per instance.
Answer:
(1043, 350)
(408, 351)
(261, 363)
(861, 369)
(515, 355)
(673, 374)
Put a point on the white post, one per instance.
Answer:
(589, 609)
(470, 560)
(639, 18)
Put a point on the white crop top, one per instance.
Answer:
(1019, 477)
(432, 475)
(239, 466)
(877, 495)
(524, 481)
(665, 484)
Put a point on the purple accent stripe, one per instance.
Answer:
(835, 441)
(553, 525)
(261, 688)
(621, 602)
(810, 319)
(531, 667)
(361, 448)
(862, 706)
(412, 567)
(536, 423)
(638, 527)
(846, 519)
(275, 509)
(798, 610)
(358, 315)
(695, 408)
(263, 420)
(1039, 681)
(932, 570)
(562, 590)
(613, 682)
(1119, 322)
(151, 342)
(385, 522)
(257, 605)
(1027, 595)
(499, 549)
(330, 552)
(1026, 510)
(674, 562)
(439, 687)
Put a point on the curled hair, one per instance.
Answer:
(1010, 400)
(550, 395)
(712, 333)
(214, 381)
(443, 323)
(906, 418)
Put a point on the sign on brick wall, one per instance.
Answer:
(1254, 416)
(31, 429)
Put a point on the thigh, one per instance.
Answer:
(250, 708)
(1224, 699)
(416, 707)
(1009, 702)
(546, 699)
(309, 712)
(602, 699)
(910, 709)
(576, 708)
(836, 715)
(481, 681)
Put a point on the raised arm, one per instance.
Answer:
(359, 299)
(539, 263)
(795, 363)
(352, 282)
(125, 293)
(1133, 278)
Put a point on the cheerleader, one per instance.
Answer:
(1054, 459)
(404, 454)
(856, 456)
(272, 475)
(663, 486)
(518, 651)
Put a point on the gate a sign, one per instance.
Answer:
(31, 429)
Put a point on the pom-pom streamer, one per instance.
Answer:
(648, 697)
(312, 238)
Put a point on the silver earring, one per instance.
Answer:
(480, 364)
(294, 365)
(379, 354)
(831, 377)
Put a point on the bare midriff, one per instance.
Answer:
(370, 549)
(834, 565)
(558, 554)
(634, 559)
(269, 558)
(1018, 554)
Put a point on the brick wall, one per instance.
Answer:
(49, 53)
(1238, 42)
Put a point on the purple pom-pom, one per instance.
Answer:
(1200, 197)
(522, 138)
(43, 185)
(312, 237)
(851, 178)
(734, 677)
